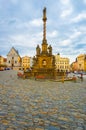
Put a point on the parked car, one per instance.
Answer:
(7, 68)
(84, 73)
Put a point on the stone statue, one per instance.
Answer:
(50, 50)
(53, 61)
(34, 60)
(38, 50)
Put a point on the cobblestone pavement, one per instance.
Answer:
(41, 105)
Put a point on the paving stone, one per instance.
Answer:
(39, 128)
(53, 128)
(34, 105)
(79, 128)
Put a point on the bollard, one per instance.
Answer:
(63, 79)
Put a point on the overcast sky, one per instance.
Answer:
(21, 26)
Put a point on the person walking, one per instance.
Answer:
(81, 77)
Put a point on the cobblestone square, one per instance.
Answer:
(41, 105)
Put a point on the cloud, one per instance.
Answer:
(14, 1)
(71, 37)
(35, 38)
(84, 1)
(36, 22)
(65, 42)
(21, 26)
(75, 35)
(52, 34)
(65, 2)
(66, 8)
(71, 45)
(23, 40)
(79, 17)
(66, 12)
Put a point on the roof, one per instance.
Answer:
(13, 49)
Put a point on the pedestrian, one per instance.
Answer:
(74, 78)
(67, 74)
(81, 77)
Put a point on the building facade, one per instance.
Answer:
(1, 60)
(62, 64)
(2, 63)
(81, 61)
(74, 66)
(26, 62)
(13, 59)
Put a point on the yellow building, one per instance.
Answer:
(74, 66)
(81, 61)
(62, 64)
(25, 62)
(2, 62)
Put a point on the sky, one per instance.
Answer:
(21, 26)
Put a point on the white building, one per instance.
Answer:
(13, 59)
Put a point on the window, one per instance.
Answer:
(12, 57)
(15, 62)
